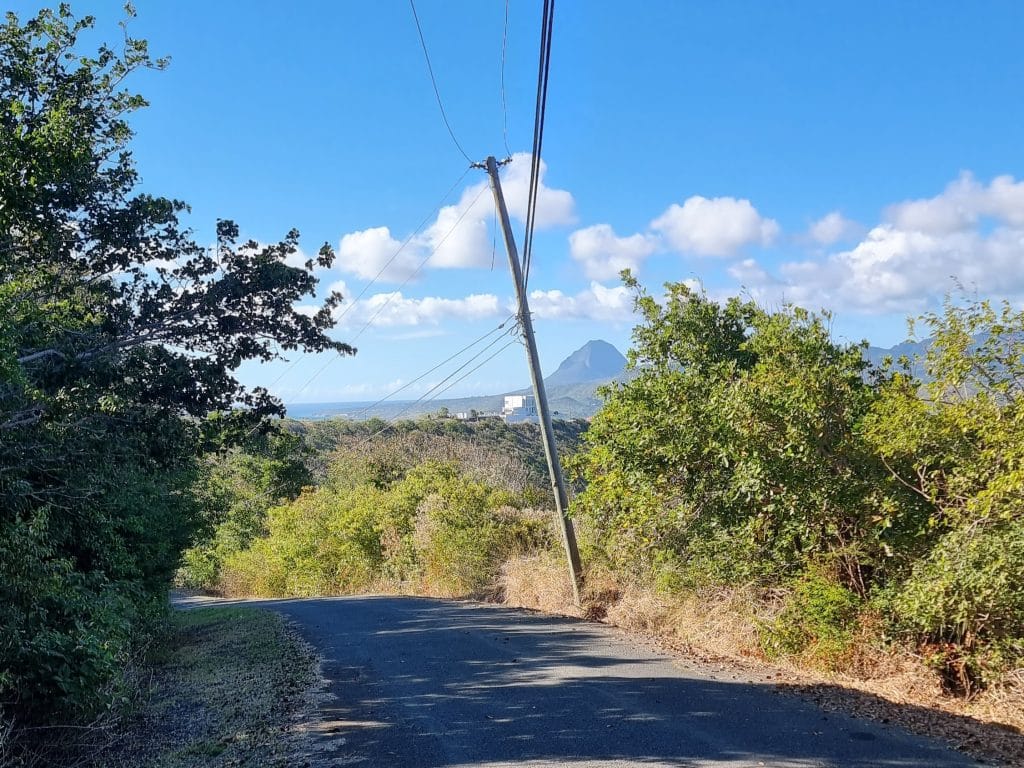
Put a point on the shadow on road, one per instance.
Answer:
(421, 682)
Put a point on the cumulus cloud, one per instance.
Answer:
(961, 206)
(393, 309)
(555, 207)
(604, 254)
(971, 233)
(719, 226)
(749, 273)
(459, 237)
(367, 252)
(598, 302)
(832, 228)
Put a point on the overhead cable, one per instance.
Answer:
(391, 296)
(543, 70)
(405, 242)
(423, 375)
(433, 81)
(422, 263)
(395, 255)
(436, 391)
(504, 101)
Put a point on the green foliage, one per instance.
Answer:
(433, 527)
(63, 631)
(752, 449)
(119, 336)
(818, 620)
(735, 453)
(967, 597)
(958, 443)
(237, 488)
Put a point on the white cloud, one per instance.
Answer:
(426, 333)
(972, 233)
(393, 310)
(719, 226)
(386, 310)
(604, 254)
(961, 206)
(341, 287)
(598, 302)
(896, 270)
(367, 252)
(555, 207)
(460, 236)
(749, 273)
(833, 227)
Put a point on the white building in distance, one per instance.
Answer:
(519, 408)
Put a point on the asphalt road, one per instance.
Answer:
(422, 683)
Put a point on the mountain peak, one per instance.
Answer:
(594, 361)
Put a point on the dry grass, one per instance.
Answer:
(537, 582)
(229, 687)
(716, 623)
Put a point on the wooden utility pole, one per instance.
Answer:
(547, 433)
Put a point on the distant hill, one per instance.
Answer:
(595, 361)
(913, 350)
(572, 392)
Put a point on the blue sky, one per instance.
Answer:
(853, 156)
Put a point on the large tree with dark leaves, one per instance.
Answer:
(119, 338)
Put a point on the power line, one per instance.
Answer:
(433, 393)
(473, 370)
(504, 102)
(422, 263)
(406, 242)
(439, 365)
(543, 70)
(391, 296)
(462, 367)
(433, 81)
(436, 209)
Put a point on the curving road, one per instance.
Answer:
(423, 683)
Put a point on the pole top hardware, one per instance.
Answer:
(499, 163)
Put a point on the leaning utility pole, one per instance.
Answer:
(547, 433)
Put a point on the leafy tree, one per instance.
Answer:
(957, 442)
(237, 487)
(735, 453)
(119, 335)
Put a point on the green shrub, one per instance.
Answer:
(432, 527)
(818, 620)
(67, 635)
(236, 488)
(958, 442)
(966, 598)
(736, 451)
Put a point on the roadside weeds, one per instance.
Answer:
(231, 687)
